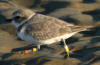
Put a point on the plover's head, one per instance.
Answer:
(21, 15)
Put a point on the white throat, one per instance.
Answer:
(17, 24)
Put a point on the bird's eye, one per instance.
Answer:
(17, 17)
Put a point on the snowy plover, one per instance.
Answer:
(41, 29)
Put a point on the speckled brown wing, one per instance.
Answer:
(44, 27)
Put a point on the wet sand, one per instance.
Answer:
(84, 46)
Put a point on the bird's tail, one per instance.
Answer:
(80, 28)
(88, 27)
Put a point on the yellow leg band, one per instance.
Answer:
(34, 49)
(66, 50)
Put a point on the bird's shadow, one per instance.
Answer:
(21, 49)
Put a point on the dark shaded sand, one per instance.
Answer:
(84, 46)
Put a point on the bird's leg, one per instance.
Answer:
(38, 46)
(66, 47)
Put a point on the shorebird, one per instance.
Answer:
(40, 29)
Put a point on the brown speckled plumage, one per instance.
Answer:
(44, 27)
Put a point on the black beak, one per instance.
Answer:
(9, 20)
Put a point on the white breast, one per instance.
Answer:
(26, 37)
